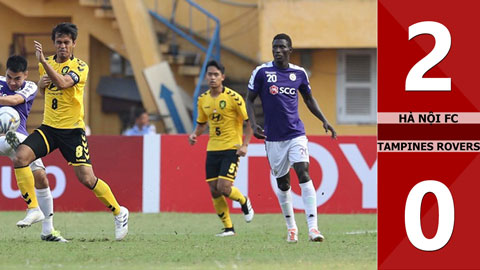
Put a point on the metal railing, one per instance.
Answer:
(213, 49)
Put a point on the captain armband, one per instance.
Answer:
(74, 76)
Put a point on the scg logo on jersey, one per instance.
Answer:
(282, 90)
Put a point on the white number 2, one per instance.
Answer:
(446, 215)
(443, 42)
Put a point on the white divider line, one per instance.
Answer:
(362, 232)
(151, 173)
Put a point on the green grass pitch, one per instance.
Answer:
(187, 241)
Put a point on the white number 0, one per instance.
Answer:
(446, 215)
(443, 42)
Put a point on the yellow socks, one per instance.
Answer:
(104, 194)
(223, 212)
(26, 184)
(236, 195)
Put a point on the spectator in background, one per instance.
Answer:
(142, 125)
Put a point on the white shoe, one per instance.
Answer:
(55, 236)
(121, 224)
(226, 232)
(314, 235)
(247, 210)
(34, 215)
(292, 235)
(12, 139)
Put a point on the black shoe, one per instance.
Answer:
(226, 232)
(12, 139)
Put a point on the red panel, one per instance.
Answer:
(398, 173)
(116, 160)
(397, 55)
(184, 187)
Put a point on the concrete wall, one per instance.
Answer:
(318, 23)
(12, 22)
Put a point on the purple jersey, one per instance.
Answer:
(278, 89)
(28, 91)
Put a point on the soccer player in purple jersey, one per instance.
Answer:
(278, 83)
(19, 94)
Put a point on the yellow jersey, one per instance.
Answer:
(225, 115)
(64, 108)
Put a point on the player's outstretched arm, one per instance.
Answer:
(192, 139)
(11, 100)
(312, 105)
(257, 130)
(61, 81)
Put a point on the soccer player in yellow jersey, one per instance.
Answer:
(63, 78)
(225, 112)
